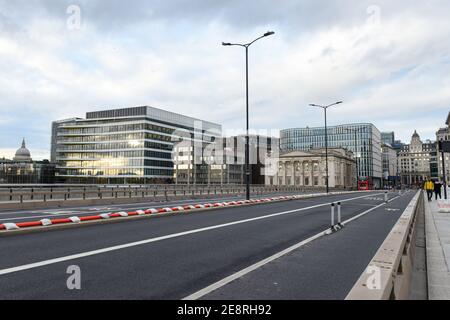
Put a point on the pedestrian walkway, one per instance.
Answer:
(437, 228)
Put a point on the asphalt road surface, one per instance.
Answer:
(176, 256)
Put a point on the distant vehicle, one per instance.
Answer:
(365, 185)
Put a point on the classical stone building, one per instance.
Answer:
(415, 161)
(366, 145)
(307, 168)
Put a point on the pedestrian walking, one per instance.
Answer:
(437, 190)
(429, 187)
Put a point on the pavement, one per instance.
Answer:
(437, 228)
(173, 257)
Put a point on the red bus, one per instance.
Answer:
(365, 185)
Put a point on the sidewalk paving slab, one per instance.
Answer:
(437, 228)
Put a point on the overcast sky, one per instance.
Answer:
(389, 61)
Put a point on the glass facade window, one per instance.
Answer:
(124, 143)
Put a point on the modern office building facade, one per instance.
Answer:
(390, 165)
(388, 138)
(366, 147)
(131, 145)
(216, 163)
(223, 162)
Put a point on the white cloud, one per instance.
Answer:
(395, 74)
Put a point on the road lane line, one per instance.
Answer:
(203, 292)
(152, 240)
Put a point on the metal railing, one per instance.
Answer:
(388, 276)
(45, 193)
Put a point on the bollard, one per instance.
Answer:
(386, 196)
(332, 216)
(339, 215)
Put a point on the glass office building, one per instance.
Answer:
(388, 138)
(132, 145)
(366, 146)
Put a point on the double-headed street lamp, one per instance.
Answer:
(326, 138)
(247, 138)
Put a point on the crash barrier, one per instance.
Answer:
(388, 275)
(152, 211)
(48, 193)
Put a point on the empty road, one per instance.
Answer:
(181, 256)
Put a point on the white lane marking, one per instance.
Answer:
(142, 242)
(219, 284)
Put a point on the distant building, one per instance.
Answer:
(443, 134)
(224, 161)
(131, 145)
(217, 163)
(415, 161)
(308, 168)
(388, 138)
(260, 149)
(23, 170)
(390, 166)
(367, 147)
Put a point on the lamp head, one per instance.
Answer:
(269, 33)
(226, 44)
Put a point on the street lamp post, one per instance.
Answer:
(326, 139)
(247, 138)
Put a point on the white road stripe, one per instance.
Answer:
(203, 292)
(170, 236)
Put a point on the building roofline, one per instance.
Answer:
(333, 126)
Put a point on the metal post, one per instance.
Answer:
(247, 138)
(386, 196)
(326, 152)
(339, 214)
(332, 215)
(443, 174)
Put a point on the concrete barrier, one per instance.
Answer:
(388, 275)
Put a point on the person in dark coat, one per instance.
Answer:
(437, 190)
